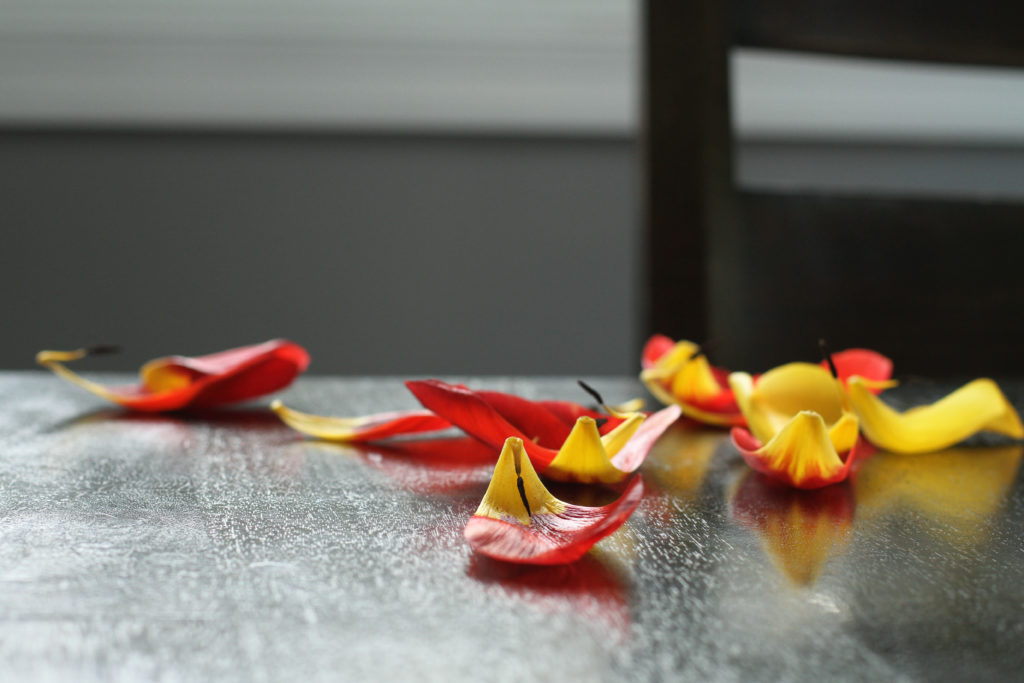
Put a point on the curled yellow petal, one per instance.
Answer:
(516, 493)
(977, 406)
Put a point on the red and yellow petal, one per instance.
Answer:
(365, 428)
(872, 367)
(179, 382)
(801, 454)
(519, 520)
(593, 448)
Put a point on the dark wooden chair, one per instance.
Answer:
(934, 283)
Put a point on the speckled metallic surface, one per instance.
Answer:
(225, 547)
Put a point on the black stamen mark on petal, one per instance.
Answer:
(827, 355)
(102, 350)
(601, 422)
(590, 390)
(522, 494)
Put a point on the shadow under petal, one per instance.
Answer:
(426, 466)
(589, 588)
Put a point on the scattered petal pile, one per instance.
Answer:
(679, 373)
(179, 382)
(565, 441)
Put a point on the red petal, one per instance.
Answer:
(530, 417)
(468, 411)
(225, 377)
(550, 538)
(656, 347)
(863, 362)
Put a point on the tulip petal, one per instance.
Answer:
(977, 406)
(178, 382)
(769, 404)
(801, 454)
(874, 368)
(468, 411)
(655, 349)
(680, 374)
(360, 429)
(520, 521)
(585, 456)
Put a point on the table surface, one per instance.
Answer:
(224, 546)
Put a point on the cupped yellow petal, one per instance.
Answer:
(584, 456)
(781, 393)
(977, 406)
(516, 493)
(802, 451)
(54, 360)
(694, 382)
(319, 426)
(793, 387)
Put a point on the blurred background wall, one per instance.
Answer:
(404, 189)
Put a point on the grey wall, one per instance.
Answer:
(398, 255)
(402, 255)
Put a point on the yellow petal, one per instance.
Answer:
(976, 406)
(614, 440)
(625, 410)
(676, 357)
(843, 434)
(516, 492)
(781, 393)
(694, 381)
(584, 458)
(54, 360)
(653, 381)
(802, 451)
(364, 428)
(158, 375)
(759, 421)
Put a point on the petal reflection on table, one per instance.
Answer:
(677, 467)
(800, 530)
(957, 491)
(591, 588)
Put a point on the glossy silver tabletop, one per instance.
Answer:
(224, 546)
